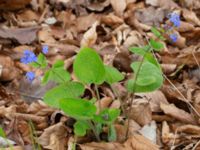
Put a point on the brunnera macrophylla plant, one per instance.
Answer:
(89, 68)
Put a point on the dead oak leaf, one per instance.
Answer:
(179, 114)
(119, 6)
(22, 35)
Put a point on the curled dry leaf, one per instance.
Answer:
(168, 68)
(97, 6)
(190, 16)
(90, 37)
(8, 111)
(8, 71)
(22, 35)
(167, 136)
(119, 6)
(179, 114)
(53, 137)
(191, 129)
(111, 20)
(185, 27)
(141, 112)
(155, 99)
(136, 142)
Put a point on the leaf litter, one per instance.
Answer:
(164, 119)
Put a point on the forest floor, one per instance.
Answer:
(167, 118)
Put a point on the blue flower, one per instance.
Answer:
(175, 19)
(45, 49)
(173, 37)
(28, 57)
(30, 76)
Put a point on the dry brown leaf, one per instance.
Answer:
(185, 27)
(8, 70)
(53, 137)
(136, 142)
(22, 35)
(45, 35)
(28, 15)
(119, 6)
(167, 136)
(168, 68)
(97, 5)
(191, 129)
(155, 99)
(141, 111)
(179, 114)
(85, 22)
(191, 4)
(111, 20)
(190, 16)
(13, 4)
(90, 37)
(104, 102)
(150, 16)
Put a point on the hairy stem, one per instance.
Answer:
(94, 130)
(98, 97)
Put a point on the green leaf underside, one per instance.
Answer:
(79, 109)
(65, 90)
(88, 67)
(157, 46)
(149, 78)
(112, 136)
(57, 73)
(112, 75)
(107, 116)
(80, 127)
(2, 133)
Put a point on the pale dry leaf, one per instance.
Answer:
(22, 35)
(85, 22)
(168, 68)
(141, 112)
(185, 27)
(130, 1)
(139, 142)
(119, 6)
(191, 17)
(53, 137)
(104, 102)
(155, 98)
(8, 70)
(115, 104)
(167, 136)
(97, 5)
(28, 15)
(45, 35)
(152, 2)
(111, 20)
(136, 142)
(8, 111)
(191, 4)
(133, 39)
(133, 127)
(169, 4)
(179, 114)
(149, 131)
(90, 37)
(191, 129)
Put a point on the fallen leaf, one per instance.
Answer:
(191, 129)
(149, 131)
(111, 20)
(119, 6)
(136, 142)
(168, 68)
(13, 4)
(179, 114)
(22, 35)
(53, 137)
(97, 6)
(191, 17)
(141, 112)
(90, 37)
(155, 99)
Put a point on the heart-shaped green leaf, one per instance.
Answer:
(66, 90)
(79, 109)
(88, 67)
(80, 127)
(112, 75)
(149, 78)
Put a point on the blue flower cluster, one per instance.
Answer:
(174, 18)
(30, 57)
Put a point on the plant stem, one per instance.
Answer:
(133, 93)
(98, 96)
(94, 130)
